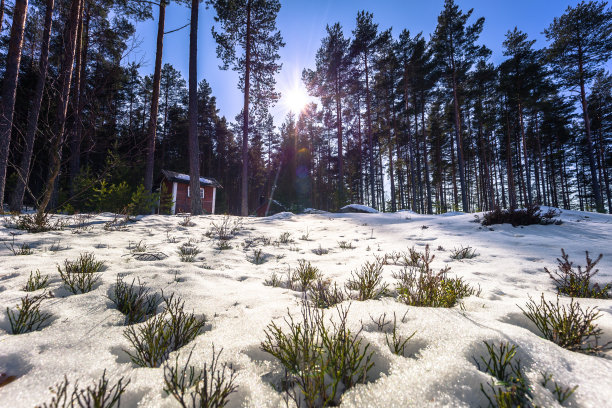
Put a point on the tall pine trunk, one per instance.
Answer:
(587, 125)
(525, 157)
(369, 125)
(152, 128)
(1, 14)
(339, 131)
(75, 135)
(459, 144)
(32, 120)
(65, 77)
(194, 148)
(426, 159)
(244, 195)
(458, 140)
(9, 88)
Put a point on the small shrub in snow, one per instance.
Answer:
(305, 275)
(34, 223)
(188, 252)
(36, 281)
(325, 295)
(524, 216)
(509, 387)
(463, 253)
(208, 387)
(561, 393)
(346, 245)
(367, 282)
(226, 229)
(305, 236)
(186, 222)
(570, 326)
(577, 283)
(396, 342)
(320, 362)
(285, 238)
(28, 316)
(17, 250)
(99, 395)
(320, 251)
(134, 301)
(119, 222)
(137, 248)
(57, 246)
(79, 276)
(274, 280)
(412, 257)
(421, 286)
(257, 257)
(162, 334)
(223, 245)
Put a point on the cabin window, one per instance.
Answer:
(201, 192)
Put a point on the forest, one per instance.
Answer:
(402, 120)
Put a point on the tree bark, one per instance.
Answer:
(75, 135)
(509, 171)
(152, 128)
(1, 15)
(9, 88)
(426, 159)
(339, 134)
(194, 148)
(244, 202)
(32, 122)
(369, 125)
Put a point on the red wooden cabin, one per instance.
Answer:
(175, 188)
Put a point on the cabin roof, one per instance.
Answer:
(184, 178)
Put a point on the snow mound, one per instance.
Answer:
(313, 211)
(281, 216)
(452, 213)
(358, 208)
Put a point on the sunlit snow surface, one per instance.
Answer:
(85, 336)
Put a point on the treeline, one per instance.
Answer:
(433, 126)
(402, 122)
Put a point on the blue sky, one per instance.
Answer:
(302, 24)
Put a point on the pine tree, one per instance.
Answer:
(251, 26)
(152, 126)
(34, 112)
(580, 45)
(9, 88)
(363, 48)
(519, 76)
(330, 81)
(65, 78)
(454, 44)
(194, 147)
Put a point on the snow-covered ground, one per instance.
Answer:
(86, 334)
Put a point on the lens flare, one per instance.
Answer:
(296, 98)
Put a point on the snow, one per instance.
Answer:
(185, 177)
(85, 336)
(358, 208)
(313, 211)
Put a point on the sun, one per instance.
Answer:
(296, 98)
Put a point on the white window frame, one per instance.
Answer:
(201, 192)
